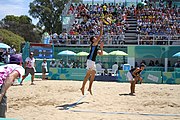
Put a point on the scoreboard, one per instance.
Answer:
(42, 51)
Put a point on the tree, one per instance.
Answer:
(10, 39)
(48, 12)
(22, 25)
(77, 1)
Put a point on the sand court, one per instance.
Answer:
(62, 100)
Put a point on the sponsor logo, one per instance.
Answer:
(153, 78)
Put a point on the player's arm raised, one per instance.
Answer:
(100, 35)
(101, 48)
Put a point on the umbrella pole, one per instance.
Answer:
(166, 64)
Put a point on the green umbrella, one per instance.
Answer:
(104, 52)
(82, 54)
(118, 53)
(66, 52)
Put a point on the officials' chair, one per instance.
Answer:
(113, 70)
(99, 69)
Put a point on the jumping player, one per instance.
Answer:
(91, 67)
(133, 76)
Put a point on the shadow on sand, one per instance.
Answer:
(126, 94)
(68, 106)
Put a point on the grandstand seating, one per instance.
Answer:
(122, 25)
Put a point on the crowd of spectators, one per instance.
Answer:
(69, 64)
(158, 24)
(6, 55)
(87, 20)
(156, 63)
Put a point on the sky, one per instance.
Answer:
(15, 7)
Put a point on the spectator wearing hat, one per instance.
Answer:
(44, 69)
(29, 68)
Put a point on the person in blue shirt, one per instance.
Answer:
(91, 67)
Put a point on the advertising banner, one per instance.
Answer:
(148, 76)
(151, 76)
(171, 77)
(66, 74)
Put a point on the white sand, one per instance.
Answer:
(40, 101)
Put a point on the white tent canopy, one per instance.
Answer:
(5, 46)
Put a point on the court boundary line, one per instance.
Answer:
(110, 113)
(126, 113)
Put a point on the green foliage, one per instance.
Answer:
(9, 18)
(23, 19)
(10, 39)
(22, 26)
(77, 1)
(48, 12)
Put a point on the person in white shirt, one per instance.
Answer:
(53, 63)
(44, 69)
(6, 57)
(70, 64)
(8, 73)
(60, 64)
(29, 68)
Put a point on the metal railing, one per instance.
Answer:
(159, 40)
(85, 40)
(116, 40)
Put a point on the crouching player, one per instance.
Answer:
(8, 73)
(133, 76)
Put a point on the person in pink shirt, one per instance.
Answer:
(8, 73)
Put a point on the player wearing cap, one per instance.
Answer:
(29, 68)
